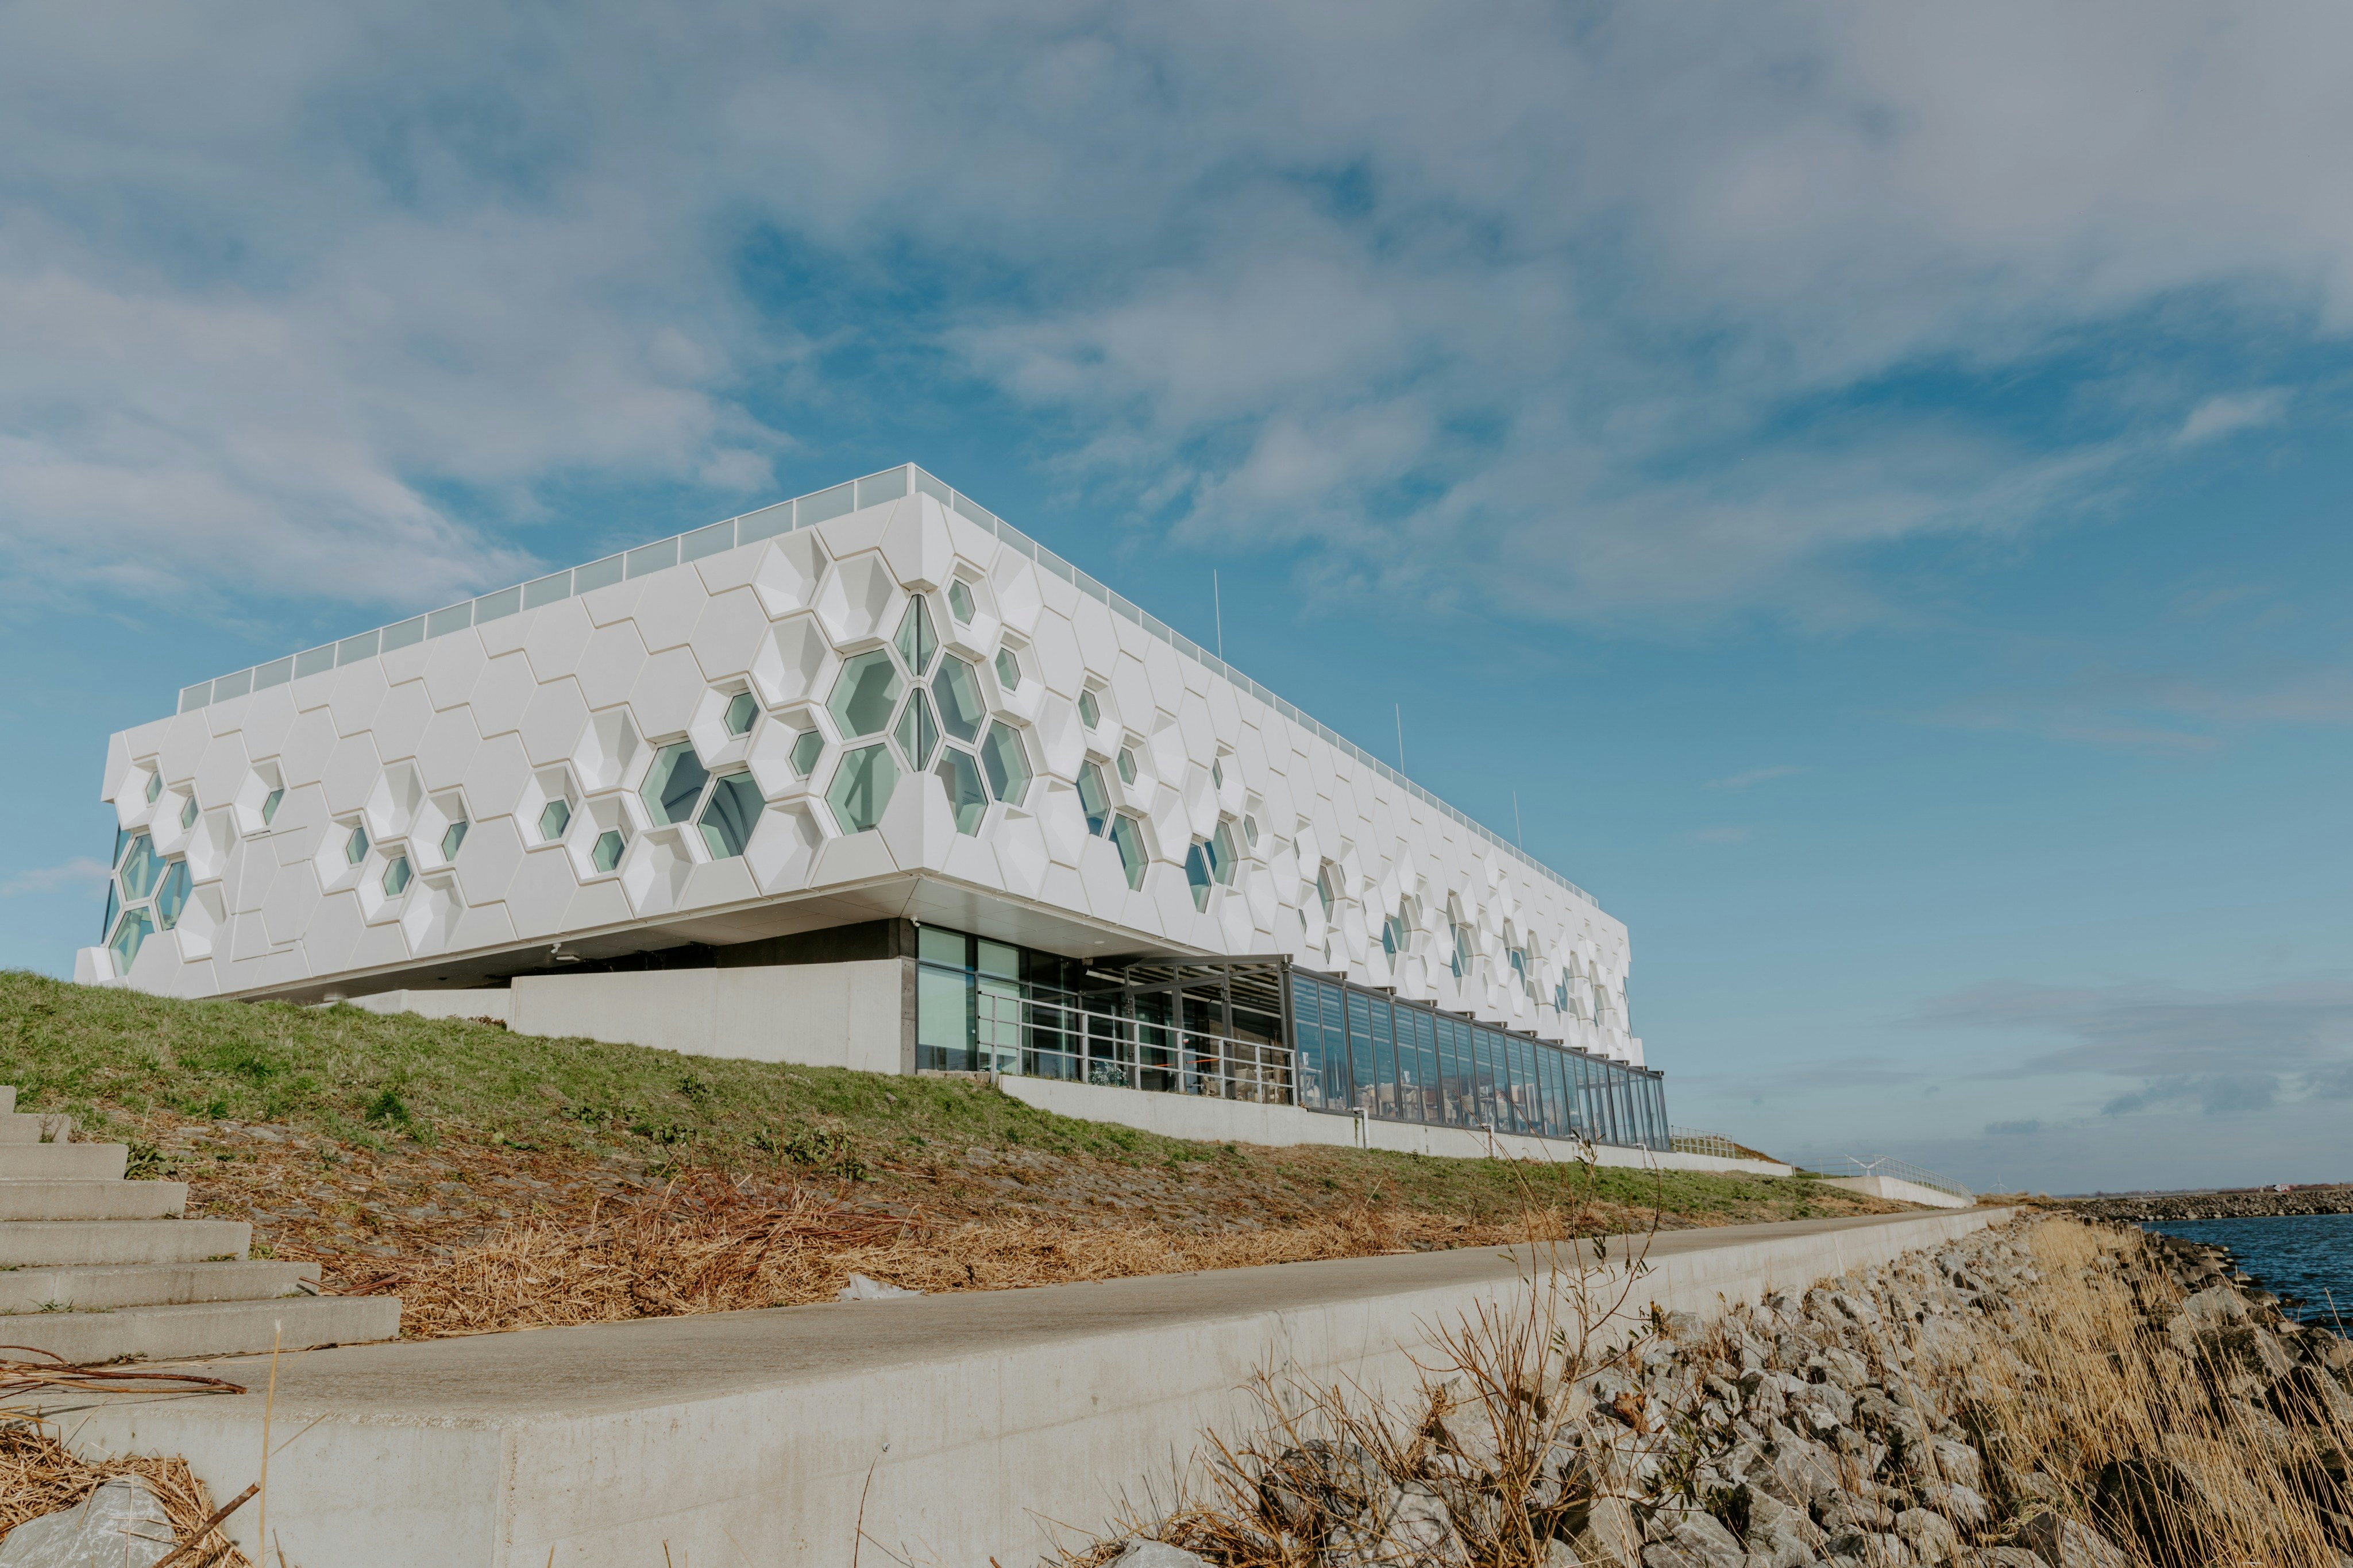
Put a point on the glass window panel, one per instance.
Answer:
(1425, 1044)
(960, 601)
(709, 540)
(113, 906)
(598, 573)
(916, 640)
(270, 804)
(1197, 873)
(122, 841)
(456, 618)
(827, 505)
(606, 854)
(351, 650)
(862, 784)
(1221, 848)
(1000, 959)
(648, 558)
(1126, 765)
(237, 685)
(497, 607)
(188, 813)
(1094, 798)
(546, 590)
(355, 848)
(917, 734)
(277, 672)
(943, 1017)
(891, 484)
(173, 896)
(553, 818)
(806, 751)
(396, 877)
(996, 1024)
(1249, 830)
(936, 944)
(864, 693)
(673, 784)
(967, 801)
(315, 661)
(958, 690)
(130, 932)
(741, 709)
(1088, 714)
(1007, 762)
(1363, 1080)
(732, 813)
(406, 633)
(1306, 1043)
(452, 838)
(1388, 1084)
(1008, 669)
(1482, 1076)
(1452, 1087)
(1129, 838)
(155, 787)
(195, 697)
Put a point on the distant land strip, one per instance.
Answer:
(2247, 1203)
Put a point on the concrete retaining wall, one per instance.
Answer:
(1899, 1191)
(1230, 1121)
(954, 1426)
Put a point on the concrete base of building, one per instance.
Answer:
(1899, 1191)
(955, 1427)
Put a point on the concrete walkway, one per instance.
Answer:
(959, 1422)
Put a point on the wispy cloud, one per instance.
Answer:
(80, 872)
(2229, 413)
(1755, 776)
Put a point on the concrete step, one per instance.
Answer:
(204, 1327)
(34, 1127)
(91, 1199)
(7, 1098)
(114, 1286)
(62, 1162)
(68, 1244)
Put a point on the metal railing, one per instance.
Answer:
(1693, 1141)
(785, 516)
(1046, 1039)
(1888, 1165)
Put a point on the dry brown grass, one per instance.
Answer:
(715, 1247)
(40, 1476)
(2069, 1380)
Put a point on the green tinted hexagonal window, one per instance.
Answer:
(863, 695)
(396, 877)
(741, 709)
(916, 641)
(1221, 854)
(966, 800)
(732, 813)
(553, 818)
(452, 838)
(960, 601)
(1128, 834)
(1008, 669)
(269, 804)
(1007, 761)
(862, 783)
(1218, 771)
(1197, 873)
(1249, 830)
(173, 896)
(155, 787)
(355, 848)
(806, 751)
(606, 853)
(1126, 765)
(957, 689)
(188, 813)
(673, 784)
(131, 930)
(1324, 888)
(917, 734)
(142, 866)
(1094, 798)
(1089, 714)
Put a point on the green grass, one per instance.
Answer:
(371, 1081)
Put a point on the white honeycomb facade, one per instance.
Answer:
(883, 702)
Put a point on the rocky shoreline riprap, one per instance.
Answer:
(2045, 1393)
(2257, 1203)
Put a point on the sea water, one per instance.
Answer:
(2307, 1256)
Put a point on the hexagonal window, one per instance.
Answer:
(452, 838)
(355, 848)
(1393, 935)
(1461, 964)
(173, 896)
(1324, 888)
(1126, 765)
(142, 866)
(1007, 761)
(553, 818)
(732, 813)
(188, 813)
(1249, 830)
(863, 695)
(154, 788)
(270, 804)
(917, 734)
(861, 789)
(966, 800)
(606, 853)
(1197, 873)
(960, 601)
(1089, 714)
(673, 784)
(1128, 834)
(396, 877)
(1218, 771)
(1221, 854)
(957, 689)
(131, 930)
(806, 751)
(1560, 994)
(916, 641)
(1094, 798)
(1008, 669)
(741, 709)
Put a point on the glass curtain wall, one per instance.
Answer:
(1361, 1051)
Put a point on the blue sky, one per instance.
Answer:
(1870, 480)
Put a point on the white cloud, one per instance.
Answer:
(2227, 414)
(80, 872)
(1755, 776)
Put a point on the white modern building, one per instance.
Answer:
(866, 778)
